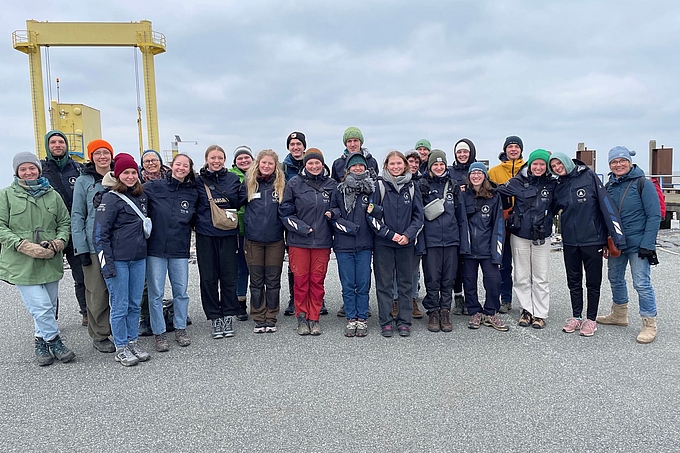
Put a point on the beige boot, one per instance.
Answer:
(618, 316)
(648, 332)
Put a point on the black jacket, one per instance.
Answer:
(459, 171)
(352, 231)
(228, 193)
(397, 212)
(262, 214)
(486, 226)
(340, 165)
(63, 180)
(451, 227)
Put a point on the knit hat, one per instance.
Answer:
(94, 145)
(300, 136)
(425, 143)
(243, 149)
(539, 154)
(313, 153)
(25, 158)
(123, 162)
(51, 134)
(566, 160)
(356, 158)
(461, 145)
(436, 155)
(352, 132)
(478, 166)
(158, 155)
(513, 140)
(620, 151)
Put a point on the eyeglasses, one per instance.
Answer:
(150, 161)
(617, 162)
(101, 153)
(477, 173)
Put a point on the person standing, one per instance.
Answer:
(423, 146)
(353, 139)
(414, 163)
(152, 166)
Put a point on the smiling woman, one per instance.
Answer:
(152, 166)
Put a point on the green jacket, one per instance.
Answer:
(20, 216)
(242, 210)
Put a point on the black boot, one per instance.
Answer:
(42, 352)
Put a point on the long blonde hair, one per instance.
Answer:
(254, 171)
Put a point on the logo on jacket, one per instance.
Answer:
(184, 204)
(275, 196)
(485, 209)
(364, 199)
(407, 198)
(72, 180)
(581, 193)
(449, 196)
(545, 193)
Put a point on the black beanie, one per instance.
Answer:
(513, 140)
(300, 136)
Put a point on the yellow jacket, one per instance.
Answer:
(501, 173)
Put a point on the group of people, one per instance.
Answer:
(123, 228)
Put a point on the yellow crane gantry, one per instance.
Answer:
(103, 34)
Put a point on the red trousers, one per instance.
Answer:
(309, 267)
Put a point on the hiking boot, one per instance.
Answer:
(324, 309)
(260, 328)
(290, 309)
(495, 322)
(538, 323)
(648, 332)
(351, 328)
(362, 328)
(404, 331)
(572, 325)
(395, 309)
(125, 356)
(341, 312)
(42, 353)
(161, 343)
(145, 328)
(458, 305)
(189, 321)
(217, 328)
(242, 310)
(618, 316)
(475, 321)
(303, 325)
(182, 338)
(433, 322)
(104, 345)
(417, 314)
(386, 331)
(525, 319)
(314, 328)
(137, 350)
(228, 326)
(84, 322)
(445, 320)
(505, 307)
(588, 328)
(270, 327)
(59, 350)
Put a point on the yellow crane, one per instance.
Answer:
(106, 34)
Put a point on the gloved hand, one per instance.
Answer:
(55, 244)
(34, 250)
(85, 259)
(650, 255)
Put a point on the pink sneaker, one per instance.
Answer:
(572, 325)
(588, 328)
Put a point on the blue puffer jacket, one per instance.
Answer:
(228, 193)
(292, 167)
(118, 231)
(304, 207)
(262, 220)
(352, 231)
(451, 227)
(486, 226)
(340, 164)
(397, 212)
(640, 215)
(82, 212)
(588, 214)
(172, 209)
(533, 200)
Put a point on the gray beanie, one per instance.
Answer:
(23, 158)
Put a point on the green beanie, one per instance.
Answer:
(539, 154)
(352, 132)
(425, 143)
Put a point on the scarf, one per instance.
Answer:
(353, 185)
(399, 182)
(35, 188)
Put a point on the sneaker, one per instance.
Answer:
(84, 322)
(145, 328)
(588, 328)
(303, 325)
(137, 350)
(538, 323)
(228, 326)
(125, 356)
(525, 319)
(270, 327)
(324, 310)
(161, 343)
(260, 328)
(362, 328)
(404, 331)
(290, 310)
(505, 307)
(59, 350)
(182, 338)
(217, 328)
(104, 345)
(314, 328)
(341, 312)
(458, 305)
(475, 321)
(42, 352)
(445, 320)
(572, 325)
(386, 331)
(351, 328)
(495, 322)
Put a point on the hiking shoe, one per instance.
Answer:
(538, 323)
(217, 328)
(572, 325)
(417, 314)
(260, 328)
(445, 320)
(303, 325)
(270, 327)
(84, 322)
(125, 356)
(228, 326)
(458, 305)
(182, 338)
(362, 328)
(433, 322)
(161, 343)
(475, 321)
(290, 309)
(525, 319)
(588, 328)
(341, 312)
(145, 328)
(404, 331)
(189, 321)
(324, 309)
(395, 309)
(495, 322)
(137, 350)
(505, 307)
(104, 345)
(351, 328)
(386, 331)
(314, 328)
(42, 352)
(59, 350)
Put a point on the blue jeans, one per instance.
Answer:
(242, 278)
(125, 298)
(41, 303)
(355, 278)
(178, 271)
(640, 270)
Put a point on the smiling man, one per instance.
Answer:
(353, 140)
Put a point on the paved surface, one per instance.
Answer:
(524, 390)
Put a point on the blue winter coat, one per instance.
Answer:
(451, 227)
(172, 209)
(397, 212)
(262, 220)
(486, 225)
(640, 215)
(292, 167)
(228, 193)
(352, 231)
(340, 164)
(83, 210)
(588, 214)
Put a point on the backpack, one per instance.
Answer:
(381, 187)
(659, 193)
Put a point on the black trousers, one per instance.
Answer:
(576, 260)
(78, 279)
(385, 261)
(440, 266)
(218, 270)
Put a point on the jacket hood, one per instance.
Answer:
(89, 169)
(49, 135)
(635, 172)
(109, 180)
(363, 150)
(473, 154)
(326, 173)
(205, 172)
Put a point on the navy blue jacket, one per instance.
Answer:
(291, 167)
(228, 193)
(486, 226)
(262, 214)
(304, 207)
(352, 231)
(63, 180)
(172, 209)
(340, 165)
(118, 231)
(451, 227)
(398, 213)
(588, 214)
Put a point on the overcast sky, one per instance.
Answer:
(236, 72)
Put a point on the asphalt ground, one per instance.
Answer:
(525, 390)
